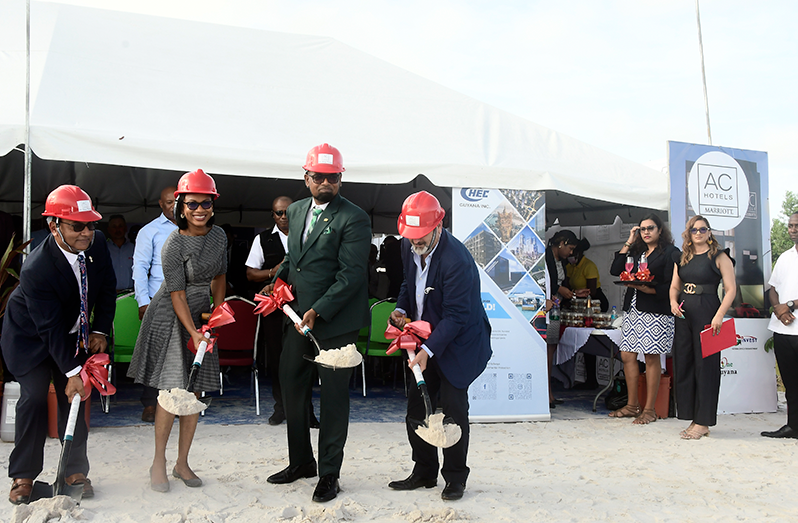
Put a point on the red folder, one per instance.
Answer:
(712, 343)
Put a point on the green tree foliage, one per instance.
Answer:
(779, 239)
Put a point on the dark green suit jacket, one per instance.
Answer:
(329, 272)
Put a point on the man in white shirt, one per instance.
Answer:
(783, 294)
(148, 273)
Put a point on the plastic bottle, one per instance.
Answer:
(554, 313)
(614, 314)
(9, 411)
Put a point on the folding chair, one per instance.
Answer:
(237, 343)
(376, 343)
(123, 338)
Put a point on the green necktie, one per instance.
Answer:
(316, 212)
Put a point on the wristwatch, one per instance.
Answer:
(791, 305)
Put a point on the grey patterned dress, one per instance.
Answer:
(161, 358)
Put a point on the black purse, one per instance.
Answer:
(618, 395)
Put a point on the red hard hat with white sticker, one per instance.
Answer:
(324, 158)
(421, 213)
(70, 202)
(196, 182)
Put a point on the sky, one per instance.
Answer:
(621, 75)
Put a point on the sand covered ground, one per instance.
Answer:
(578, 470)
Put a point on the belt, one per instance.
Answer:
(692, 288)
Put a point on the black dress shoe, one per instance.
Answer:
(413, 482)
(453, 491)
(291, 474)
(327, 489)
(785, 432)
(276, 418)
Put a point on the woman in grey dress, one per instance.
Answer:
(194, 265)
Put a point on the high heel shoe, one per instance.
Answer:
(158, 487)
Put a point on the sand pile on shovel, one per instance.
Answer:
(58, 508)
(346, 356)
(180, 402)
(438, 434)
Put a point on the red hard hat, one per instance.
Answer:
(196, 182)
(421, 213)
(324, 159)
(70, 202)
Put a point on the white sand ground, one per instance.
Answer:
(579, 470)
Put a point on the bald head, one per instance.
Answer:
(167, 202)
(279, 212)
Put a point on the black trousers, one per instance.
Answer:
(454, 403)
(27, 458)
(270, 345)
(297, 377)
(786, 349)
(696, 379)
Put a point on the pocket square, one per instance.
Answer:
(428, 290)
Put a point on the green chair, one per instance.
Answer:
(376, 344)
(126, 329)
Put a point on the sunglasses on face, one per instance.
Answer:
(207, 204)
(649, 228)
(79, 226)
(279, 213)
(696, 230)
(318, 179)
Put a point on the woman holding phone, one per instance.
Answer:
(648, 324)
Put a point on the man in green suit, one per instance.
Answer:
(328, 247)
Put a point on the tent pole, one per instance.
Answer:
(703, 72)
(26, 198)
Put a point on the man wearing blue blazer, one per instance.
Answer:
(47, 335)
(442, 287)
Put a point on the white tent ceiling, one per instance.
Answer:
(149, 92)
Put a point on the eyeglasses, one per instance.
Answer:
(318, 179)
(207, 204)
(649, 228)
(79, 226)
(696, 230)
(279, 213)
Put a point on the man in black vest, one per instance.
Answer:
(265, 257)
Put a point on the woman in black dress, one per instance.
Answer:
(695, 303)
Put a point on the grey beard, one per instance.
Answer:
(421, 251)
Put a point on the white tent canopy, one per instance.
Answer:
(150, 92)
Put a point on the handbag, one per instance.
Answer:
(618, 395)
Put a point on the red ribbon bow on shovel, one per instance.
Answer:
(222, 315)
(95, 374)
(281, 295)
(409, 337)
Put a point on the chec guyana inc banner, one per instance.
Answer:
(729, 188)
(505, 232)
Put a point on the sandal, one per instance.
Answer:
(646, 417)
(692, 434)
(627, 411)
(682, 433)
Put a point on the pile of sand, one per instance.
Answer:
(345, 357)
(180, 402)
(438, 434)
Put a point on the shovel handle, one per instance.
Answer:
(295, 318)
(201, 351)
(416, 368)
(73, 417)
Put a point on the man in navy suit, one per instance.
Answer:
(441, 286)
(46, 335)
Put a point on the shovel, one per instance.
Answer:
(436, 429)
(179, 401)
(279, 299)
(60, 488)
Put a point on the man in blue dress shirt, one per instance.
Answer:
(121, 250)
(148, 273)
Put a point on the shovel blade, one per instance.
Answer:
(43, 490)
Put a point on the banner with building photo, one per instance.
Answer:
(505, 232)
(729, 188)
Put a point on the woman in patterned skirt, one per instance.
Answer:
(194, 266)
(694, 298)
(648, 324)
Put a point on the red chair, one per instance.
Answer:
(237, 343)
